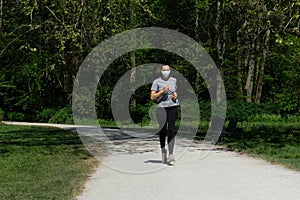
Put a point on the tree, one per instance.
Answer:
(43, 43)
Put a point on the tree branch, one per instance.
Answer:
(53, 14)
(293, 32)
(15, 39)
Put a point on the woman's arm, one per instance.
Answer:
(155, 94)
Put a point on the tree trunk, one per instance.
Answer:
(196, 21)
(1, 13)
(132, 75)
(198, 76)
(250, 75)
(132, 54)
(221, 48)
(262, 68)
(239, 66)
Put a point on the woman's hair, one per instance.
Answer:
(157, 72)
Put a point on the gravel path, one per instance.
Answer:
(133, 171)
(220, 175)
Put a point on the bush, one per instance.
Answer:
(243, 111)
(293, 118)
(63, 116)
(107, 123)
(265, 118)
(139, 113)
(15, 116)
(46, 114)
(1, 115)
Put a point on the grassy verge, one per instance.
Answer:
(42, 163)
(276, 143)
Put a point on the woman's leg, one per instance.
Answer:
(172, 113)
(161, 118)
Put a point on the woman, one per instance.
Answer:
(163, 90)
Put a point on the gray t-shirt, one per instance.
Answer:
(158, 85)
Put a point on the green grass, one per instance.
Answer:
(42, 163)
(277, 143)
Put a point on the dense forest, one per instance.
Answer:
(255, 45)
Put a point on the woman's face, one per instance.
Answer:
(165, 71)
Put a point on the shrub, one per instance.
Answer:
(1, 115)
(15, 116)
(63, 116)
(242, 111)
(46, 114)
(107, 123)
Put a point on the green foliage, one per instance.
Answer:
(284, 80)
(1, 115)
(288, 119)
(43, 43)
(265, 118)
(15, 116)
(107, 123)
(205, 110)
(62, 116)
(242, 111)
(45, 115)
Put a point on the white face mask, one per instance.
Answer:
(165, 74)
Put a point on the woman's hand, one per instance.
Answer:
(174, 95)
(155, 95)
(165, 88)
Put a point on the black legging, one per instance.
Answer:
(163, 121)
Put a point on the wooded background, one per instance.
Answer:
(255, 45)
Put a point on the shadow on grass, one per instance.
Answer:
(42, 140)
(274, 138)
(282, 147)
(39, 136)
(42, 163)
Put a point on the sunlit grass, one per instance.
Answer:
(42, 163)
(271, 141)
